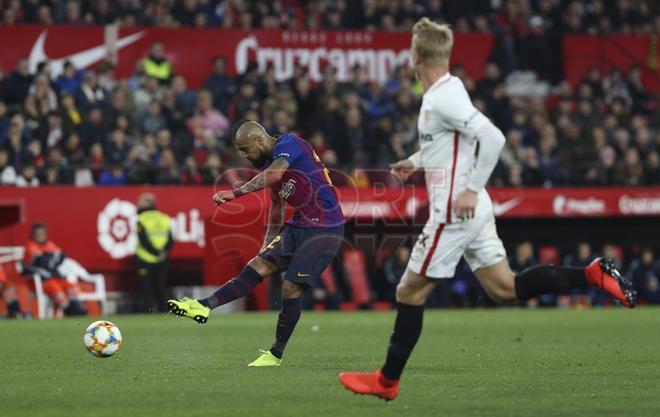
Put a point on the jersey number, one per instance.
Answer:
(272, 244)
(325, 170)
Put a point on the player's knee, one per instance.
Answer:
(408, 294)
(262, 266)
(291, 290)
(504, 294)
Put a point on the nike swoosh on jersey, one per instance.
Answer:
(303, 275)
(501, 208)
(80, 59)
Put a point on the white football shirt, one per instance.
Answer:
(449, 127)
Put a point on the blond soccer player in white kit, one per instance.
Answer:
(461, 219)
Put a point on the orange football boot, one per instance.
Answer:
(601, 273)
(370, 383)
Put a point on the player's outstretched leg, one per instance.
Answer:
(240, 286)
(543, 279)
(286, 323)
(384, 383)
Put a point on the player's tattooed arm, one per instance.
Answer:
(275, 218)
(269, 176)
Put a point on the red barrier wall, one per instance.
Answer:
(97, 225)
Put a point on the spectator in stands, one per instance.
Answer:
(152, 120)
(94, 128)
(185, 99)
(243, 102)
(45, 258)
(7, 171)
(72, 15)
(106, 76)
(43, 93)
(71, 116)
(52, 132)
(191, 174)
(606, 171)
(169, 171)
(113, 175)
(652, 168)
(90, 94)
(28, 177)
(147, 92)
(117, 148)
(523, 257)
(18, 84)
(213, 171)
(155, 243)
(211, 120)
(139, 168)
(645, 273)
(221, 86)
(156, 64)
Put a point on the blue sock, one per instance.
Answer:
(289, 316)
(233, 289)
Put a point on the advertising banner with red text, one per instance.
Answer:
(96, 225)
(191, 50)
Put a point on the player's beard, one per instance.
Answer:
(258, 162)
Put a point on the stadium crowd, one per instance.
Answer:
(86, 127)
(514, 18)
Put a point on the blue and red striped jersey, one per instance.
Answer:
(306, 185)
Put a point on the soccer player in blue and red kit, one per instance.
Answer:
(303, 248)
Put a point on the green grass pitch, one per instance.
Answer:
(507, 362)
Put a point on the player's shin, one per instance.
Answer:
(286, 323)
(235, 288)
(407, 328)
(544, 279)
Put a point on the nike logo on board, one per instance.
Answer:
(80, 59)
(501, 208)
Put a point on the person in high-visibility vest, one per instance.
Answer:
(155, 242)
(156, 64)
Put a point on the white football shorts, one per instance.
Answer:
(440, 246)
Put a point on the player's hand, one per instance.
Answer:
(466, 204)
(222, 197)
(402, 169)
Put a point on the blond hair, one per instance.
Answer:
(432, 42)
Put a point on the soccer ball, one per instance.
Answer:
(102, 338)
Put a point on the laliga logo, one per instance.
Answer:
(116, 227)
